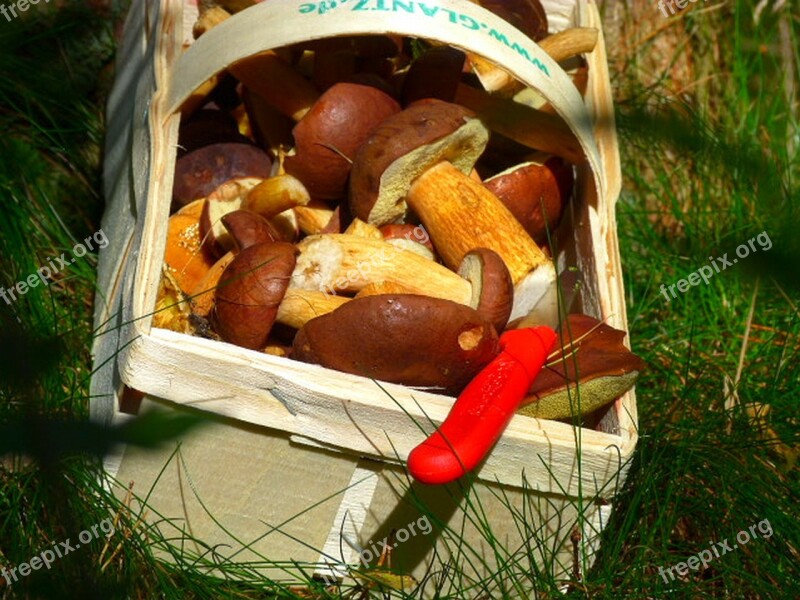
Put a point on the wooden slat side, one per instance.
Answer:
(623, 419)
(125, 172)
(163, 144)
(141, 162)
(152, 156)
(346, 526)
(252, 492)
(352, 413)
(524, 526)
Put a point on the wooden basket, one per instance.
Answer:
(302, 418)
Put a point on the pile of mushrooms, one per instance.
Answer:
(363, 203)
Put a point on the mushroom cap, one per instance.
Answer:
(248, 229)
(201, 172)
(204, 294)
(187, 257)
(591, 355)
(401, 338)
(535, 193)
(403, 147)
(226, 199)
(249, 292)
(338, 123)
(492, 288)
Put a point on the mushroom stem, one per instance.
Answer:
(271, 128)
(209, 19)
(570, 42)
(461, 214)
(381, 288)
(313, 217)
(234, 6)
(365, 230)
(523, 124)
(275, 195)
(276, 81)
(336, 263)
(559, 46)
(300, 306)
(528, 126)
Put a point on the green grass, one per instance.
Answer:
(717, 405)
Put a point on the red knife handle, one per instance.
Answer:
(483, 410)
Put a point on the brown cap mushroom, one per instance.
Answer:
(277, 82)
(593, 361)
(340, 58)
(249, 292)
(248, 229)
(275, 195)
(295, 309)
(201, 172)
(403, 147)
(272, 130)
(330, 134)
(404, 338)
(492, 288)
(535, 193)
(272, 198)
